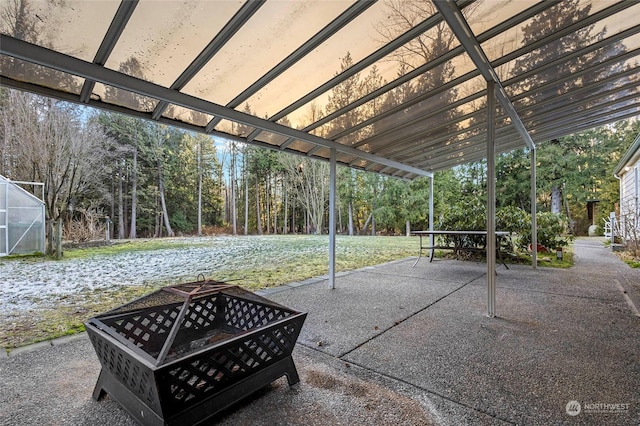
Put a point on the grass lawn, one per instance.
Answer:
(95, 280)
(253, 262)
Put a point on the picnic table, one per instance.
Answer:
(460, 242)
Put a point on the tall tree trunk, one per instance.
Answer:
(125, 191)
(246, 202)
(351, 218)
(113, 203)
(275, 209)
(286, 209)
(258, 220)
(364, 228)
(294, 229)
(158, 226)
(165, 214)
(199, 188)
(232, 177)
(120, 204)
(50, 237)
(556, 199)
(373, 225)
(267, 207)
(134, 194)
(307, 222)
(59, 238)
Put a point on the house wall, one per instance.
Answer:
(630, 197)
(628, 189)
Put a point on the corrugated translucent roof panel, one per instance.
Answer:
(75, 27)
(124, 98)
(187, 115)
(275, 30)
(397, 87)
(162, 38)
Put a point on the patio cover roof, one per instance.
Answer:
(397, 87)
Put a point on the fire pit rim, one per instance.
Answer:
(221, 289)
(150, 362)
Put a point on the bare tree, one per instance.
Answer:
(199, 148)
(310, 186)
(232, 181)
(134, 190)
(159, 153)
(46, 141)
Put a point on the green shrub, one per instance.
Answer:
(516, 221)
(552, 231)
(471, 215)
(466, 215)
(599, 230)
(513, 219)
(181, 223)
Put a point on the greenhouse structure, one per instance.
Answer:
(22, 219)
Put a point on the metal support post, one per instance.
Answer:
(534, 223)
(431, 237)
(491, 200)
(332, 219)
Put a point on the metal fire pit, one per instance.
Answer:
(183, 353)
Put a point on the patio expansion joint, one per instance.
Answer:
(391, 378)
(422, 278)
(397, 323)
(430, 391)
(554, 293)
(626, 297)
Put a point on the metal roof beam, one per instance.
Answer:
(456, 21)
(390, 86)
(554, 113)
(119, 22)
(531, 112)
(238, 20)
(532, 11)
(553, 129)
(320, 37)
(417, 136)
(61, 62)
(590, 20)
(576, 75)
(564, 114)
(445, 146)
(408, 124)
(364, 63)
(519, 18)
(479, 153)
(545, 131)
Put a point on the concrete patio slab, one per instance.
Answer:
(361, 307)
(395, 345)
(543, 351)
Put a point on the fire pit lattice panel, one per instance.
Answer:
(147, 330)
(128, 371)
(185, 352)
(246, 315)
